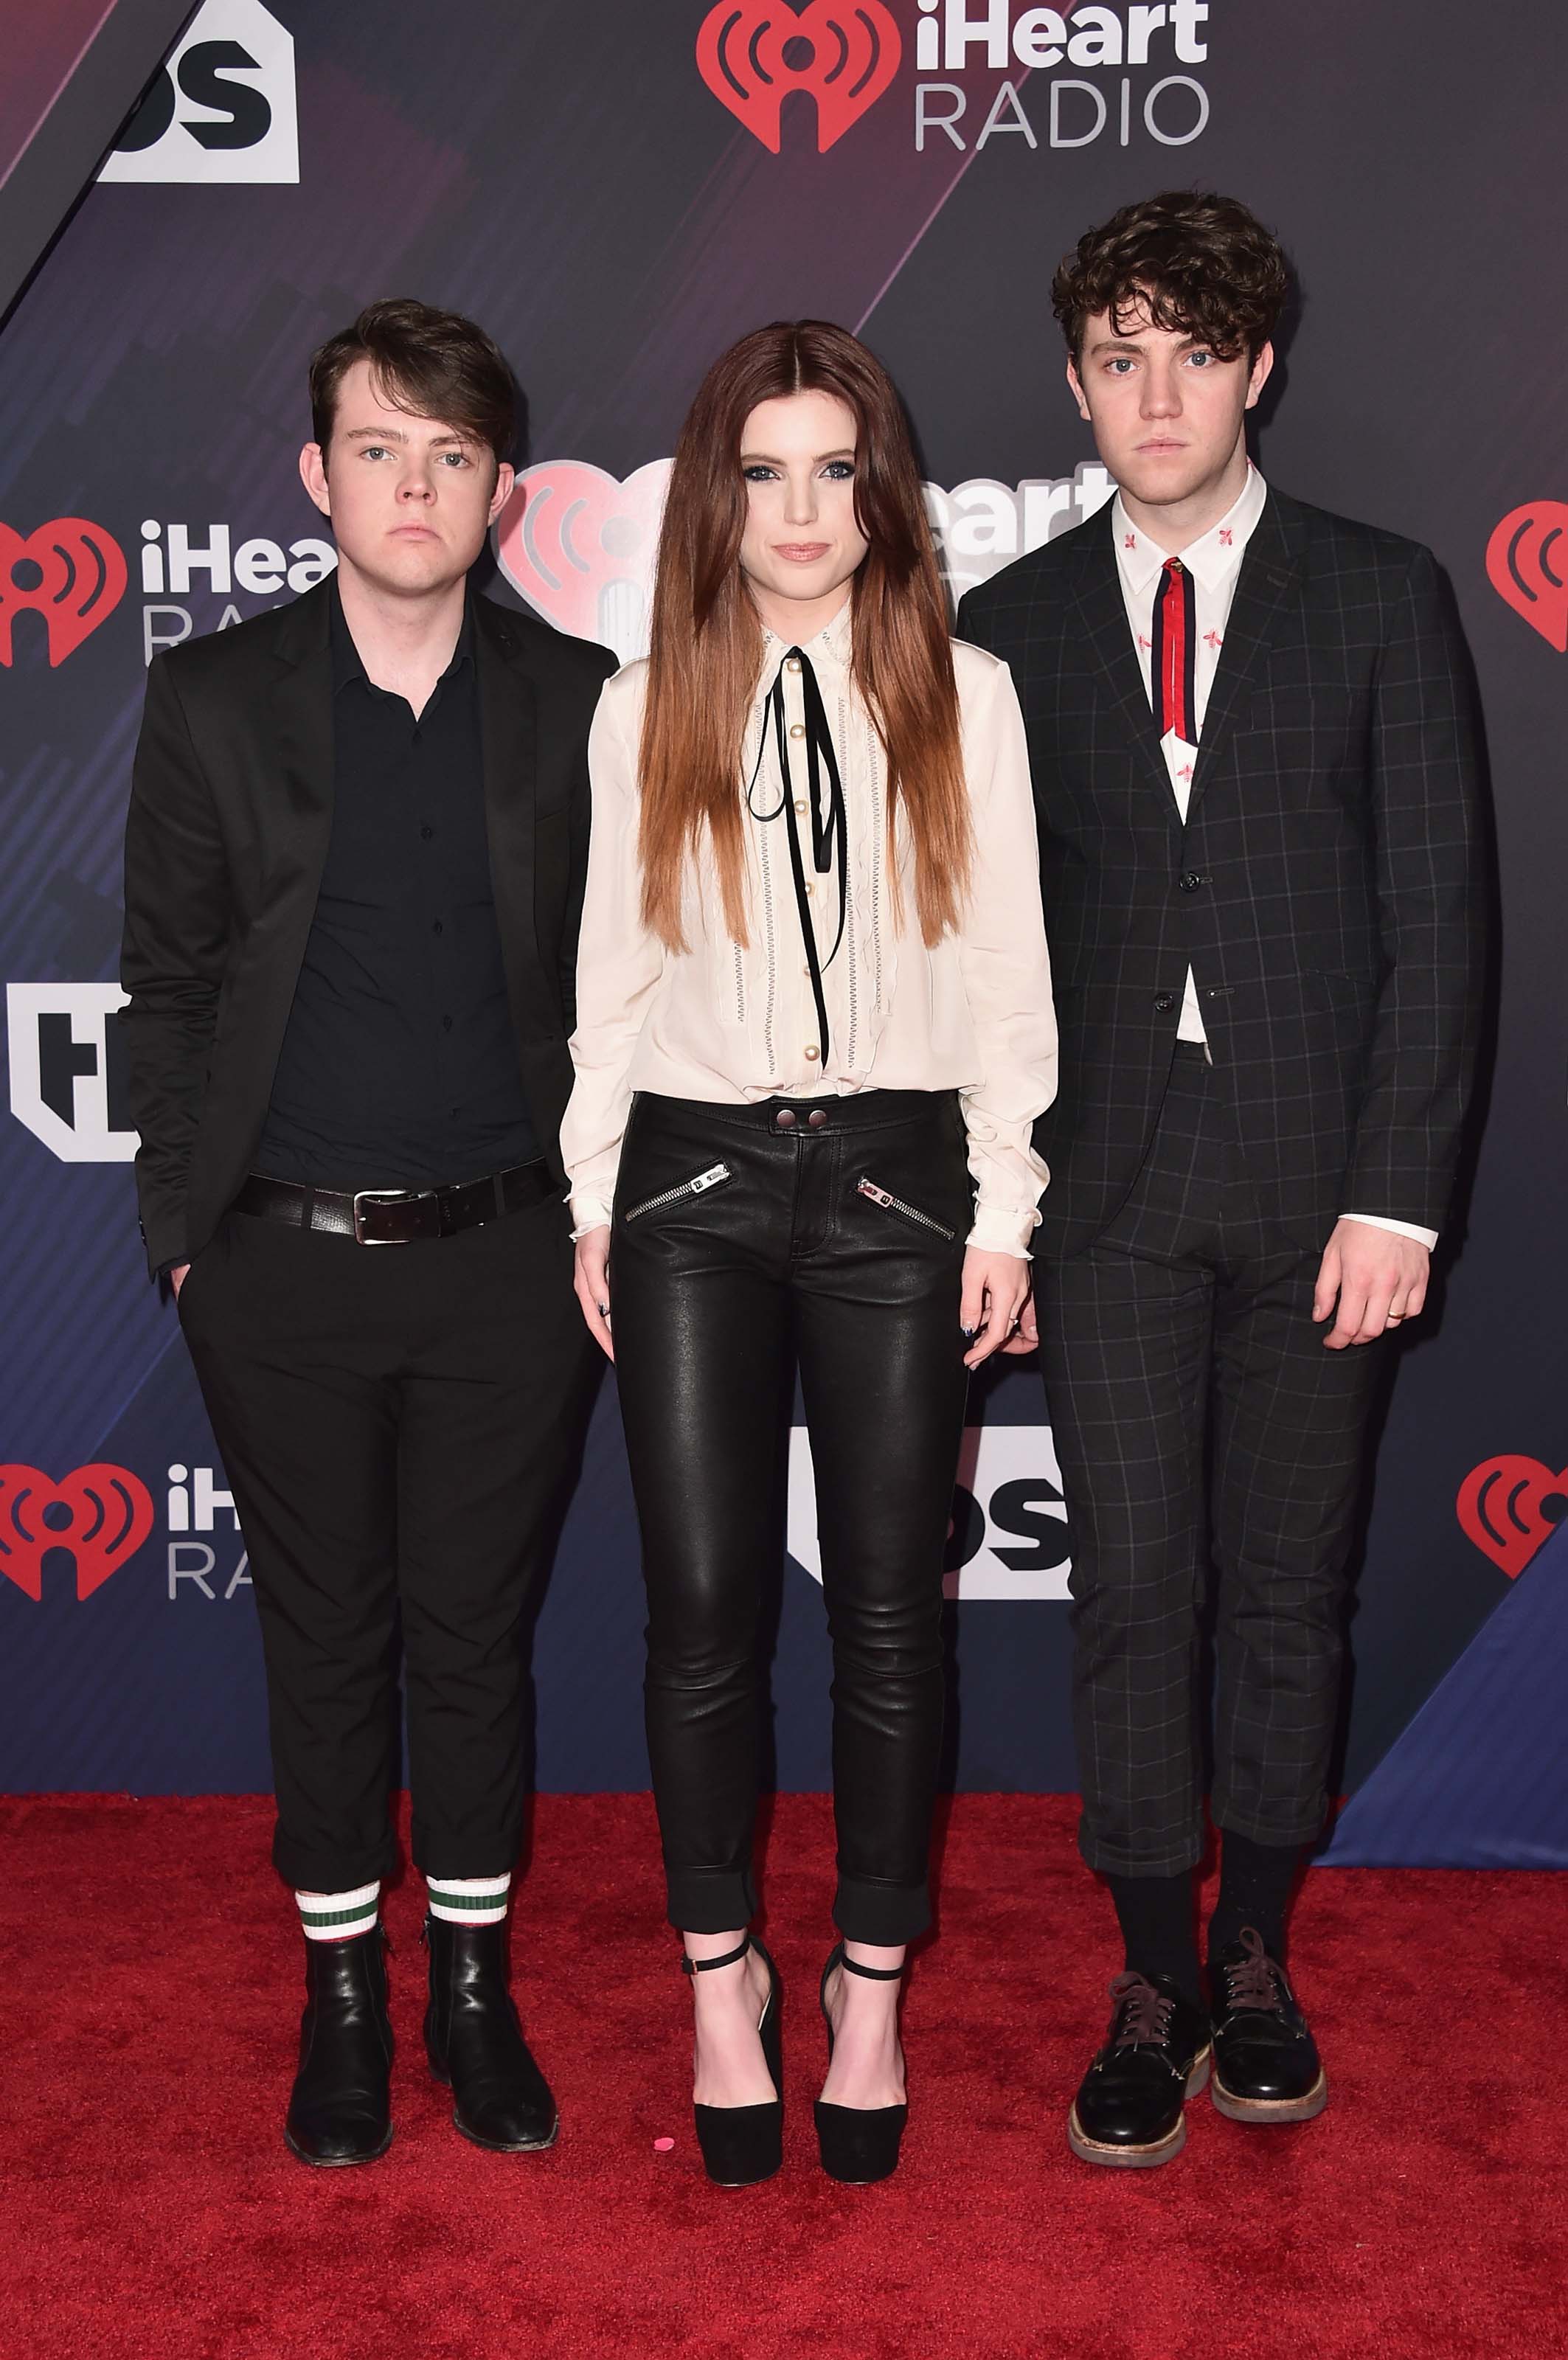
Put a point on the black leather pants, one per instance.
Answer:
(743, 1237)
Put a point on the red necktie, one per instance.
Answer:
(1173, 657)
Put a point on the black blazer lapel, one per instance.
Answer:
(509, 720)
(302, 761)
(1102, 618)
(1264, 591)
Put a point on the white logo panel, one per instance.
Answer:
(1007, 1536)
(223, 108)
(67, 1071)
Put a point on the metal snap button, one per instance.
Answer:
(784, 1119)
(817, 1118)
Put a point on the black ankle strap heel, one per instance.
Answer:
(742, 2144)
(858, 2145)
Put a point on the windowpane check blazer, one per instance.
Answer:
(1323, 889)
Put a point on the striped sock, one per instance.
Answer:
(469, 1900)
(338, 1917)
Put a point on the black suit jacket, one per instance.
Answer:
(230, 817)
(1324, 890)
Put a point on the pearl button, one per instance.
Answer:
(799, 803)
(792, 663)
(811, 1056)
(797, 728)
(809, 886)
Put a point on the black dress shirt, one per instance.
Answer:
(399, 1067)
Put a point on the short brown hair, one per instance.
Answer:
(432, 364)
(1202, 264)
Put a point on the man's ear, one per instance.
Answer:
(313, 475)
(1259, 377)
(506, 480)
(1075, 386)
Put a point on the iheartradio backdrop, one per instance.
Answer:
(616, 193)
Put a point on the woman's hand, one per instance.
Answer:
(994, 1304)
(591, 1282)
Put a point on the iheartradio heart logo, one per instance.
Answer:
(101, 1514)
(1507, 1506)
(753, 53)
(1527, 562)
(579, 547)
(69, 572)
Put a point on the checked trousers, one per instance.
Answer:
(1204, 1434)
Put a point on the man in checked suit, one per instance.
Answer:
(1255, 773)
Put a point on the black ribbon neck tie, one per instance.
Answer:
(826, 809)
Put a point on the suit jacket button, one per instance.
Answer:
(1190, 880)
(1163, 1002)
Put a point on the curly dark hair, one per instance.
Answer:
(432, 364)
(1202, 264)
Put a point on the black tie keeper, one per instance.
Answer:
(397, 1217)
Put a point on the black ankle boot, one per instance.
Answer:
(341, 2109)
(472, 2037)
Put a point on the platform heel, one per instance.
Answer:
(743, 2145)
(858, 2145)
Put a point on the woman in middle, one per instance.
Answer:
(814, 1031)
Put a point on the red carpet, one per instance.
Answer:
(151, 2212)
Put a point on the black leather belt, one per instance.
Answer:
(398, 1216)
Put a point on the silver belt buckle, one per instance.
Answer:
(384, 1197)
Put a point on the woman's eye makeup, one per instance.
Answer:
(833, 471)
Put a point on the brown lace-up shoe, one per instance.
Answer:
(1266, 2067)
(1128, 2112)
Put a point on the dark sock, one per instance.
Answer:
(1156, 1916)
(1255, 1882)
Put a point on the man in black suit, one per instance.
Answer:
(1255, 773)
(354, 869)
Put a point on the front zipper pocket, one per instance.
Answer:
(714, 1177)
(896, 1204)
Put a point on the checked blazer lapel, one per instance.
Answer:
(1103, 620)
(1262, 603)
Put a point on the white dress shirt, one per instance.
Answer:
(735, 1023)
(1214, 561)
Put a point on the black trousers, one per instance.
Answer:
(396, 1424)
(742, 1238)
(1185, 1333)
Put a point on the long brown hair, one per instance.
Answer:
(707, 634)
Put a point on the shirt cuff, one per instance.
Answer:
(999, 1229)
(1427, 1238)
(588, 1214)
